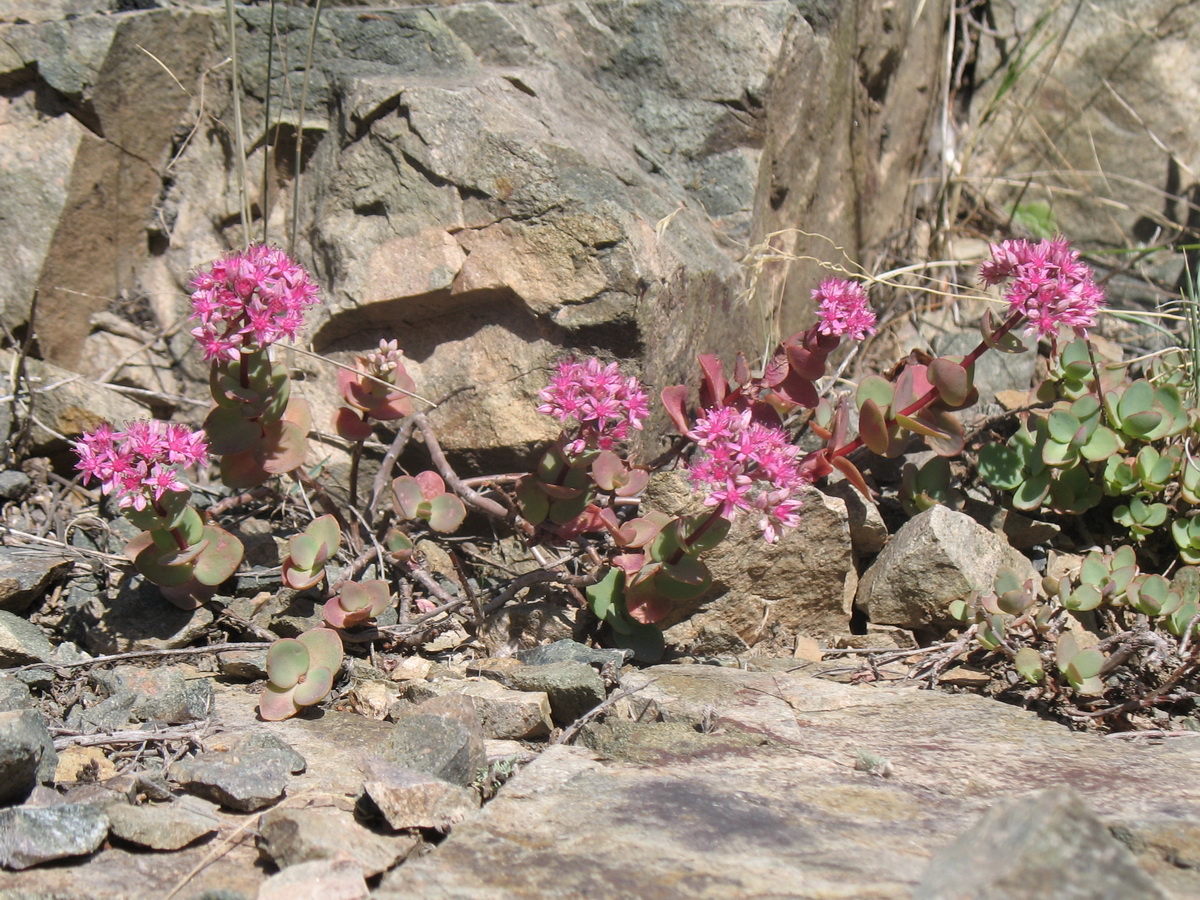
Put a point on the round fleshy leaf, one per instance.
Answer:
(301, 579)
(315, 687)
(607, 469)
(431, 483)
(875, 388)
(408, 494)
(182, 557)
(1000, 466)
(1028, 663)
(446, 513)
(1032, 491)
(324, 647)
(335, 614)
(535, 505)
(303, 549)
(714, 532)
(873, 427)
(242, 470)
(328, 534)
(221, 558)
(684, 580)
(350, 425)
(275, 704)
(951, 379)
(282, 447)
(287, 661)
(147, 563)
(604, 595)
(229, 431)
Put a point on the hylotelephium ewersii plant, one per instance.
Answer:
(177, 550)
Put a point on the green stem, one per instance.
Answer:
(709, 521)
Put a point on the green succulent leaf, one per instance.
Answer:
(1028, 663)
(287, 661)
(1000, 466)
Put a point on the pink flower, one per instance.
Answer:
(844, 309)
(140, 464)
(604, 403)
(249, 300)
(745, 466)
(1050, 287)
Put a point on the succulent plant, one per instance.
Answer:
(300, 672)
(304, 566)
(424, 496)
(357, 603)
(928, 485)
(1140, 517)
(1081, 667)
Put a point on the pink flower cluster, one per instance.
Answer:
(1050, 287)
(844, 309)
(249, 300)
(747, 467)
(141, 463)
(605, 403)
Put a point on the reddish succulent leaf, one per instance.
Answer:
(182, 557)
(408, 494)
(431, 483)
(188, 595)
(242, 470)
(299, 413)
(282, 448)
(951, 379)
(873, 427)
(798, 391)
(645, 604)
(166, 576)
(713, 387)
(629, 563)
(607, 469)
(277, 704)
(777, 368)
(741, 371)
(350, 425)
(229, 431)
(854, 476)
(805, 363)
(946, 438)
(314, 688)
(674, 400)
(220, 558)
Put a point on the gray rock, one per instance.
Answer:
(29, 837)
(503, 713)
(1046, 844)
(14, 484)
(571, 651)
(136, 617)
(22, 643)
(435, 745)
(241, 779)
(26, 576)
(320, 879)
(288, 837)
(937, 557)
(764, 594)
(409, 799)
(167, 827)
(247, 665)
(164, 694)
(573, 688)
(26, 754)
(14, 694)
(527, 626)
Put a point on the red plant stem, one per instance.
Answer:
(697, 533)
(176, 534)
(932, 394)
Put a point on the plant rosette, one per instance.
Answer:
(300, 673)
(357, 603)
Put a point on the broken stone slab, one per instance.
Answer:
(320, 879)
(503, 713)
(26, 576)
(31, 836)
(137, 694)
(765, 594)
(27, 754)
(524, 626)
(288, 837)
(411, 799)
(573, 651)
(1046, 844)
(21, 642)
(14, 694)
(169, 826)
(78, 764)
(136, 617)
(443, 747)
(937, 557)
(572, 688)
(248, 772)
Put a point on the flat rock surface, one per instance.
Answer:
(791, 816)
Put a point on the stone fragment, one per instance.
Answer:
(21, 642)
(572, 688)
(528, 625)
(291, 836)
(410, 799)
(136, 694)
(169, 826)
(83, 764)
(320, 879)
(868, 532)
(411, 668)
(1046, 844)
(503, 713)
(249, 773)
(572, 651)
(442, 747)
(247, 665)
(26, 754)
(937, 557)
(14, 484)
(14, 694)
(26, 576)
(29, 837)
(137, 618)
